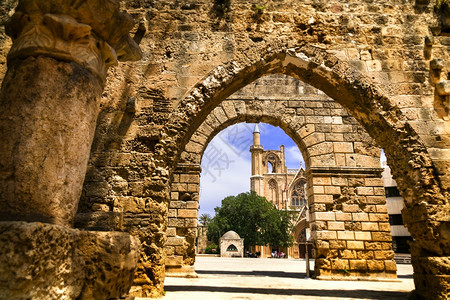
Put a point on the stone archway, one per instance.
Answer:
(424, 190)
(344, 182)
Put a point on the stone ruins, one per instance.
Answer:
(102, 132)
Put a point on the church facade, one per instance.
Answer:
(285, 188)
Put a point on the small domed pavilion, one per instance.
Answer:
(231, 245)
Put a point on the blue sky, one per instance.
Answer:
(226, 162)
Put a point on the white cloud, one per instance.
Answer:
(226, 171)
(294, 157)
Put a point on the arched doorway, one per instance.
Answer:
(367, 103)
(340, 177)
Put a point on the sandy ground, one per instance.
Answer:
(255, 278)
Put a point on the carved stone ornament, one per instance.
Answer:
(92, 33)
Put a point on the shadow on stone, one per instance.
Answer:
(366, 294)
(254, 273)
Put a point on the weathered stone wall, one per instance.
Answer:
(371, 57)
(384, 40)
(343, 170)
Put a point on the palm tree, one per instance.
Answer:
(204, 219)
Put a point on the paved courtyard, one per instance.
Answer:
(252, 278)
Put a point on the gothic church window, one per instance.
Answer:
(298, 196)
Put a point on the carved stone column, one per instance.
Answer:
(49, 102)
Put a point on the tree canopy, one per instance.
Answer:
(254, 218)
(204, 219)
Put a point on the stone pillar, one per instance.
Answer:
(350, 223)
(430, 250)
(183, 216)
(49, 102)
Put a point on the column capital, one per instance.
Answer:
(92, 33)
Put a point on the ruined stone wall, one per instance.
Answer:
(343, 167)
(132, 158)
(145, 120)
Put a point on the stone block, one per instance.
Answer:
(368, 226)
(321, 148)
(177, 204)
(321, 180)
(44, 250)
(337, 244)
(175, 222)
(55, 262)
(364, 254)
(381, 208)
(174, 261)
(175, 241)
(345, 235)
(340, 159)
(360, 217)
(187, 213)
(363, 236)
(350, 208)
(373, 245)
(330, 190)
(191, 223)
(111, 260)
(358, 265)
(347, 254)
(172, 213)
(334, 137)
(343, 147)
(169, 250)
(314, 139)
(193, 188)
(374, 182)
(171, 231)
(192, 204)
(375, 265)
(332, 225)
(323, 245)
(326, 235)
(379, 191)
(323, 198)
(355, 245)
(320, 225)
(384, 255)
(339, 181)
(339, 264)
(370, 208)
(179, 187)
(341, 216)
(323, 216)
(379, 217)
(364, 191)
(323, 160)
(390, 266)
(381, 236)
(190, 178)
(378, 200)
(341, 128)
(384, 226)
(318, 189)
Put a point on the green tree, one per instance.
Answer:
(204, 219)
(254, 218)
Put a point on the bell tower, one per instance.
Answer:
(257, 179)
